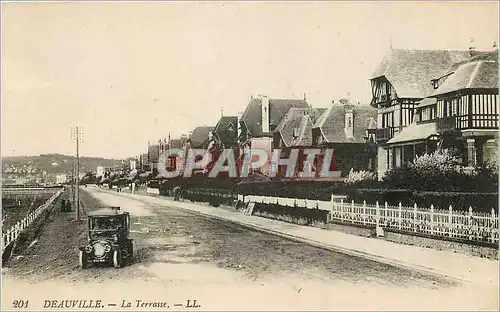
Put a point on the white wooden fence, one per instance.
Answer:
(471, 225)
(13, 233)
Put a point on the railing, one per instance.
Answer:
(27, 190)
(384, 134)
(13, 233)
(472, 226)
(474, 121)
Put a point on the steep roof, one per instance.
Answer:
(428, 101)
(252, 116)
(227, 130)
(332, 123)
(199, 136)
(301, 121)
(480, 72)
(175, 143)
(410, 71)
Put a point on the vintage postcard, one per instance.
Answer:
(250, 156)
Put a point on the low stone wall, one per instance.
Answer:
(486, 250)
(317, 219)
(353, 229)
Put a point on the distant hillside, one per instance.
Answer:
(55, 163)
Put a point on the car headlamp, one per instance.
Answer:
(88, 249)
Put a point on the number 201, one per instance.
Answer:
(19, 304)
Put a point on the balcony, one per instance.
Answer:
(472, 121)
(384, 134)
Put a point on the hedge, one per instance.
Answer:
(296, 215)
(482, 202)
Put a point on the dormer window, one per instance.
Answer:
(349, 124)
(295, 133)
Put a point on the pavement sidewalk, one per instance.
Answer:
(452, 265)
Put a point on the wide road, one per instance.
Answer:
(181, 256)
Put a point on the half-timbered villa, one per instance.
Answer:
(464, 107)
(400, 82)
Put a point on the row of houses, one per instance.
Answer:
(422, 100)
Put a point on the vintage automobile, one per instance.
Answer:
(108, 238)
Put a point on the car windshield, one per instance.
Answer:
(106, 224)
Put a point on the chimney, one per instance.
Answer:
(265, 114)
(349, 121)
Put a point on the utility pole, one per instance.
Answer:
(73, 183)
(77, 176)
(76, 133)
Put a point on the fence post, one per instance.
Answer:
(470, 223)
(332, 207)
(352, 211)
(432, 219)
(341, 209)
(400, 221)
(364, 212)
(377, 214)
(385, 213)
(415, 217)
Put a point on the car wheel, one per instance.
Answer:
(84, 260)
(117, 259)
(131, 254)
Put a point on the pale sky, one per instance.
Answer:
(132, 72)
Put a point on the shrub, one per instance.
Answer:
(441, 171)
(358, 176)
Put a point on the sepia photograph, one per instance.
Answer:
(250, 155)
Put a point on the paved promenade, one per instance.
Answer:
(453, 265)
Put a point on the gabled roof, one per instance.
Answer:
(199, 136)
(332, 123)
(428, 101)
(480, 72)
(252, 116)
(301, 121)
(410, 71)
(175, 143)
(227, 130)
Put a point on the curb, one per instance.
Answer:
(334, 248)
(350, 252)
